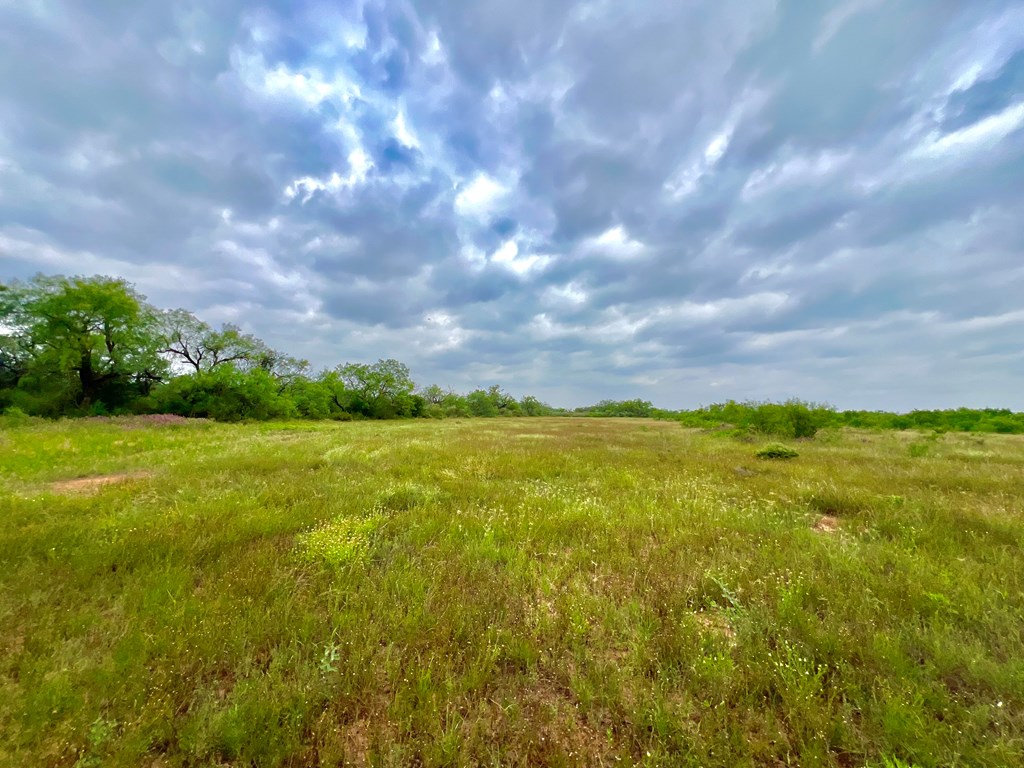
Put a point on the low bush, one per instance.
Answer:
(776, 451)
(918, 450)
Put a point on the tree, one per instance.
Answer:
(481, 404)
(503, 401)
(94, 338)
(193, 342)
(531, 406)
(383, 390)
(433, 394)
(285, 369)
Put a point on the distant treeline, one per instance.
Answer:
(795, 418)
(80, 346)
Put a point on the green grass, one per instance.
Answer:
(507, 592)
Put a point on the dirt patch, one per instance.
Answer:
(96, 482)
(555, 732)
(146, 420)
(341, 743)
(826, 524)
(717, 624)
(356, 742)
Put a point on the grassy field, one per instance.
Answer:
(507, 592)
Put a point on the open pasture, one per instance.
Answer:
(563, 591)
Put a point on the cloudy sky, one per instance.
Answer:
(680, 201)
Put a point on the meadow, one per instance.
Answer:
(548, 591)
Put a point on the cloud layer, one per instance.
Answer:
(580, 200)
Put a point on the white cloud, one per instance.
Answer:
(309, 87)
(983, 134)
(442, 332)
(796, 169)
(615, 242)
(985, 51)
(570, 294)
(434, 54)
(717, 146)
(725, 309)
(687, 177)
(481, 197)
(984, 322)
(403, 132)
(359, 167)
(508, 257)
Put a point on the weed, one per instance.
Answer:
(100, 733)
(340, 542)
(329, 658)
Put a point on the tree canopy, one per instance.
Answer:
(75, 342)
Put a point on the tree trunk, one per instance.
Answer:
(87, 379)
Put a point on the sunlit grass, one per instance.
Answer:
(507, 592)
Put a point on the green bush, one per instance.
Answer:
(792, 419)
(15, 417)
(776, 451)
(225, 394)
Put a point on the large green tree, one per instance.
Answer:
(382, 390)
(93, 341)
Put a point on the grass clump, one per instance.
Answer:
(836, 501)
(776, 451)
(404, 497)
(918, 450)
(339, 542)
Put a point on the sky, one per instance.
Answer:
(684, 202)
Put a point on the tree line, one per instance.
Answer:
(94, 346)
(800, 419)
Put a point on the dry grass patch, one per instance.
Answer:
(97, 482)
(826, 524)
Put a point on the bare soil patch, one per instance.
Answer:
(716, 624)
(96, 482)
(826, 524)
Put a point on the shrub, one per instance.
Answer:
(225, 394)
(15, 417)
(776, 451)
(789, 420)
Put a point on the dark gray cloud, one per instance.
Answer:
(683, 202)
